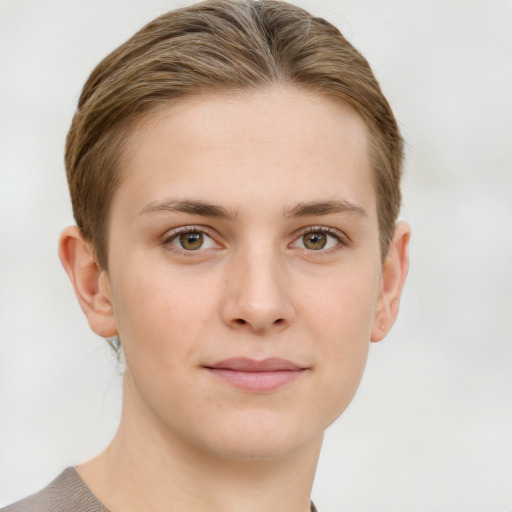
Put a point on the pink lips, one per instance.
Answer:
(257, 376)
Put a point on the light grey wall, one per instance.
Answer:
(431, 427)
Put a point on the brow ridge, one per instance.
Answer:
(191, 206)
(207, 209)
(314, 208)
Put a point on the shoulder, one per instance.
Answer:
(67, 493)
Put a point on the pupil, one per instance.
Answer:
(315, 240)
(191, 241)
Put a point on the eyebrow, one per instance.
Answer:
(315, 208)
(206, 209)
(191, 206)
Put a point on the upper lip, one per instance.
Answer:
(244, 364)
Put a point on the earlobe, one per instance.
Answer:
(90, 282)
(394, 272)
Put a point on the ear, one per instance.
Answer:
(394, 272)
(90, 282)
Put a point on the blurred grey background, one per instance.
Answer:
(431, 426)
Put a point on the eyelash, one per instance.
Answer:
(342, 240)
(170, 237)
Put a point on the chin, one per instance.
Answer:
(247, 449)
(257, 437)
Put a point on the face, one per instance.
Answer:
(244, 269)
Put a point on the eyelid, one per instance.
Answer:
(172, 234)
(340, 236)
(342, 239)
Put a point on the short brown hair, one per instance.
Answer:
(220, 45)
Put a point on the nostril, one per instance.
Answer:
(241, 321)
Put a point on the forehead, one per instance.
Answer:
(291, 141)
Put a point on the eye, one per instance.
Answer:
(191, 240)
(318, 240)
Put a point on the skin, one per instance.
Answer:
(274, 164)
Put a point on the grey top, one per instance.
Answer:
(67, 493)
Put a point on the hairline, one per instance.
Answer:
(124, 131)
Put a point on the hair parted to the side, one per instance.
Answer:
(216, 46)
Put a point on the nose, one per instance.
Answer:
(257, 296)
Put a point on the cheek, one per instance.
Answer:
(158, 334)
(340, 316)
(157, 316)
(165, 316)
(341, 307)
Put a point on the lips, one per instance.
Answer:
(257, 376)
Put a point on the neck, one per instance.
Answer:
(146, 468)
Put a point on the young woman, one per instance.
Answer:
(234, 172)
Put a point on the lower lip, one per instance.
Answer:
(257, 381)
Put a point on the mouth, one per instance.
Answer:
(256, 376)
